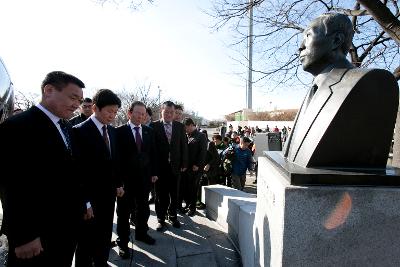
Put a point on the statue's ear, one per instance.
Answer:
(338, 40)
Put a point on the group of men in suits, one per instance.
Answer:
(61, 202)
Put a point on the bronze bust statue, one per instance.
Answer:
(347, 118)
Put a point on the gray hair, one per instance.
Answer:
(338, 23)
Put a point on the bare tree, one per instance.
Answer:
(140, 93)
(278, 27)
(24, 101)
(132, 4)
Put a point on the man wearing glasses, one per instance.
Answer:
(85, 110)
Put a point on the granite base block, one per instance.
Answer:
(324, 225)
(234, 211)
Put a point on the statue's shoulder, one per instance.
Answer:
(364, 73)
(359, 76)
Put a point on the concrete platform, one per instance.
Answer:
(234, 211)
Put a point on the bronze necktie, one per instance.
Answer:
(313, 90)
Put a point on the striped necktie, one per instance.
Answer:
(168, 131)
(64, 128)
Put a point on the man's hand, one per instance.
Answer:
(88, 214)
(154, 179)
(120, 191)
(195, 168)
(183, 169)
(29, 250)
(207, 167)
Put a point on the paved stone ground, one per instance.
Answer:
(250, 186)
(199, 242)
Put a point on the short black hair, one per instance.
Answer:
(218, 137)
(106, 97)
(188, 121)
(136, 103)
(246, 139)
(60, 79)
(87, 100)
(180, 107)
(205, 132)
(149, 111)
(167, 104)
(226, 139)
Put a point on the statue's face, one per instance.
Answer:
(316, 48)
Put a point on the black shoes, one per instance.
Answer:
(145, 239)
(183, 210)
(175, 223)
(200, 206)
(124, 253)
(160, 226)
(191, 213)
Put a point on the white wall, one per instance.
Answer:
(261, 124)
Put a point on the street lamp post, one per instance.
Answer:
(249, 92)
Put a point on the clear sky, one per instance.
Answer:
(168, 44)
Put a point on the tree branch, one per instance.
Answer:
(383, 16)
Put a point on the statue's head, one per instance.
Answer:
(327, 39)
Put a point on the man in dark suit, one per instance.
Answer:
(171, 148)
(85, 112)
(197, 151)
(138, 168)
(343, 100)
(97, 153)
(41, 199)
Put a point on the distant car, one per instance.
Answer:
(6, 93)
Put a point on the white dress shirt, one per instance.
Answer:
(134, 131)
(99, 126)
(55, 120)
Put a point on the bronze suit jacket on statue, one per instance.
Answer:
(348, 123)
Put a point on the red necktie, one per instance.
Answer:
(138, 138)
(105, 137)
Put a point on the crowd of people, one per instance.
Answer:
(60, 203)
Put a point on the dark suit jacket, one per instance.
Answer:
(348, 123)
(177, 148)
(136, 168)
(42, 192)
(78, 119)
(197, 150)
(97, 164)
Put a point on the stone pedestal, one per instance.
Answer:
(316, 224)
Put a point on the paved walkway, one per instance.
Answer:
(199, 242)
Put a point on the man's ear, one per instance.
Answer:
(48, 89)
(338, 40)
(95, 108)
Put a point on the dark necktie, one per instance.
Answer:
(64, 128)
(313, 90)
(138, 138)
(105, 137)
(168, 131)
